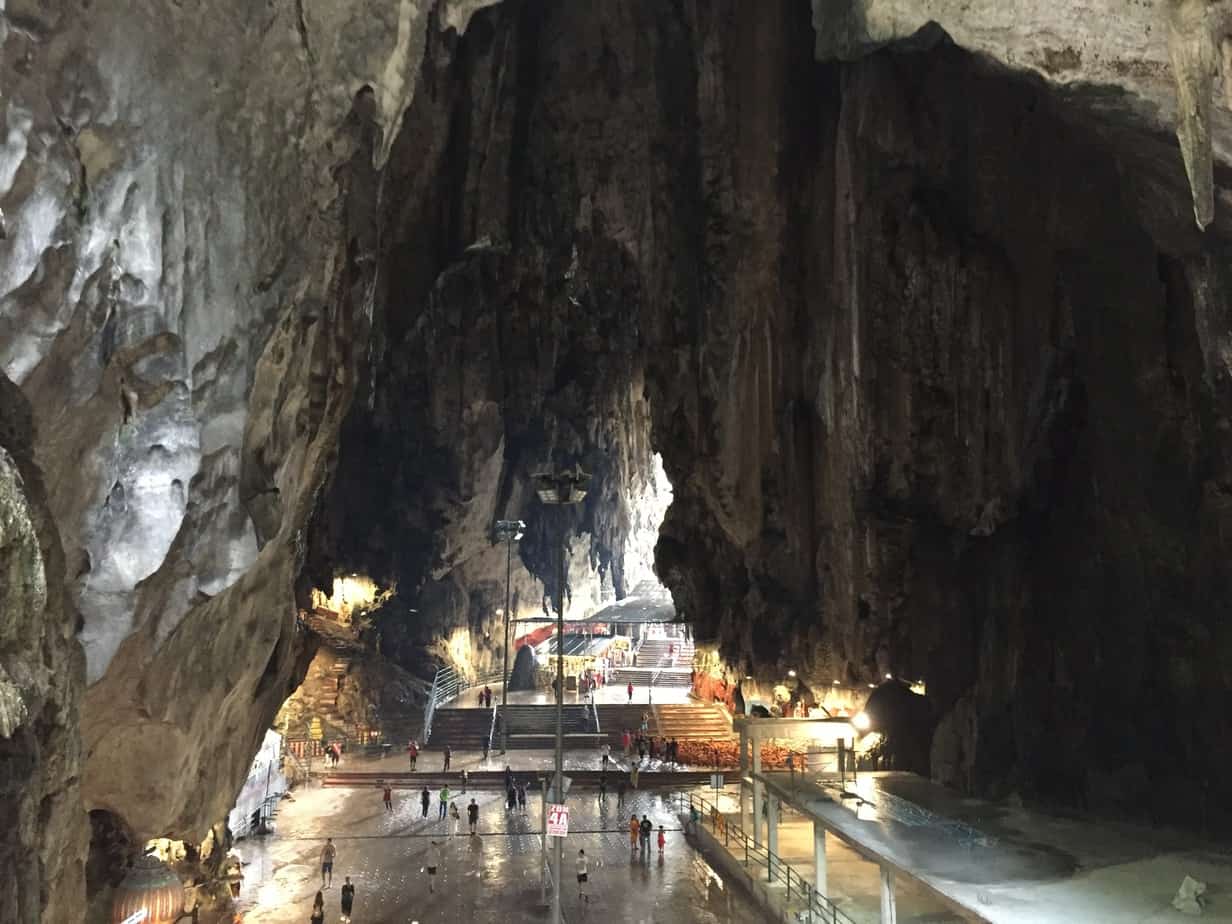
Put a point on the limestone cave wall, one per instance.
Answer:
(932, 352)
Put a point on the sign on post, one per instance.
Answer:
(558, 820)
(716, 781)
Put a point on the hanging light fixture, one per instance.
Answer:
(149, 887)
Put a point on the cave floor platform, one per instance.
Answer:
(492, 877)
(1005, 864)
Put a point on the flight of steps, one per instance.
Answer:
(643, 676)
(461, 729)
(678, 720)
(654, 652)
(535, 726)
(319, 694)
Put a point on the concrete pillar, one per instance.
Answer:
(758, 791)
(819, 859)
(889, 910)
(744, 772)
(772, 825)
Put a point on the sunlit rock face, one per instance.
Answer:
(934, 357)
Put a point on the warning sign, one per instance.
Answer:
(558, 820)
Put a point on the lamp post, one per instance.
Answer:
(560, 489)
(508, 531)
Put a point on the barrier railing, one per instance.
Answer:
(448, 685)
(818, 909)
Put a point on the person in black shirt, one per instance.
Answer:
(472, 815)
(647, 827)
(425, 799)
(348, 898)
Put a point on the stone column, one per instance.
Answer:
(758, 790)
(819, 859)
(744, 771)
(889, 910)
(772, 825)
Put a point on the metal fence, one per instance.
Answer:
(817, 908)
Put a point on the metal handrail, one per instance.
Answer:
(818, 908)
(447, 685)
(492, 725)
(594, 711)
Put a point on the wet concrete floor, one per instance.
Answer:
(492, 877)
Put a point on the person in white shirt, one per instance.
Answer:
(581, 876)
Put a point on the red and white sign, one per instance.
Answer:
(558, 820)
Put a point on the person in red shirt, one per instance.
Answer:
(629, 690)
(389, 798)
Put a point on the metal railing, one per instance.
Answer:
(492, 726)
(594, 712)
(817, 908)
(448, 685)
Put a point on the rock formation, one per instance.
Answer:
(932, 351)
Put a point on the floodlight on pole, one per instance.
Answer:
(509, 532)
(560, 489)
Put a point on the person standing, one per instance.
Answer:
(605, 761)
(448, 754)
(620, 791)
(434, 863)
(472, 815)
(633, 773)
(629, 690)
(626, 741)
(444, 797)
(635, 831)
(465, 778)
(328, 852)
(646, 827)
(318, 910)
(662, 839)
(388, 795)
(581, 876)
(602, 788)
(425, 799)
(412, 752)
(348, 899)
(522, 796)
(454, 819)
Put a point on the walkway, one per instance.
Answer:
(995, 863)
(612, 693)
(489, 879)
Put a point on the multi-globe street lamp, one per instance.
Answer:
(560, 489)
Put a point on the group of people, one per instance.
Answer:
(639, 834)
(328, 853)
(648, 745)
(515, 792)
(333, 753)
(485, 697)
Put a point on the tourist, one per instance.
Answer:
(606, 759)
(581, 876)
(646, 828)
(645, 722)
(472, 815)
(522, 797)
(653, 747)
(485, 748)
(629, 690)
(434, 861)
(425, 800)
(662, 839)
(444, 797)
(465, 778)
(318, 910)
(641, 750)
(328, 852)
(448, 754)
(635, 831)
(389, 797)
(626, 741)
(602, 787)
(620, 791)
(694, 817)
(675, 751)
(348, 899)
(508, 777)
(511, 798)
(633, 774)
(454, 819)
(412, 752)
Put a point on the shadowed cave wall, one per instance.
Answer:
(932, 355)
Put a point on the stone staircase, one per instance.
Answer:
(535, 726)
(653, 652)
(677, 720)
(461, 729)
(642, 676)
